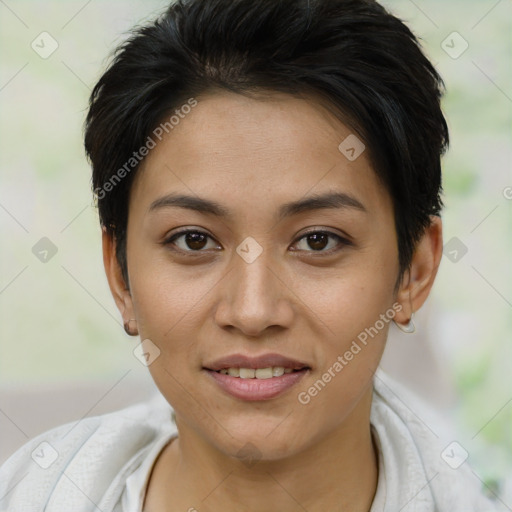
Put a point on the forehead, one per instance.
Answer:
(254, 152)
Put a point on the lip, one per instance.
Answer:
(256, 389)
(262, 361)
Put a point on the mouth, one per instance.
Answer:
(256, 378)
(257, 363)
(258, 373)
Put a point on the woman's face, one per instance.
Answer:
(296, 286)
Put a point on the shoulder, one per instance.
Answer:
(418, 447)
(74, 465)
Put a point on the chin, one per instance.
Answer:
(258, 443)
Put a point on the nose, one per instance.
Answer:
(254, 297)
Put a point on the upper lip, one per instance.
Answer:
(262, 361)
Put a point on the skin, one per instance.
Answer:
(252, 156)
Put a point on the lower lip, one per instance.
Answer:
(257, 389)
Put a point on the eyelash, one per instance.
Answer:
(342, 241)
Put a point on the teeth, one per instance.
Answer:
(264, 373)
(247, 373)
(277, 371)
(260, 373)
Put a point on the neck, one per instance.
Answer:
(339, 472)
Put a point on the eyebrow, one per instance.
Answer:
(329, 200)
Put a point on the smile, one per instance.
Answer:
(256, 373)
(256, 384)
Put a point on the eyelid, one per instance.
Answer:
(169, 239)
(342, 239)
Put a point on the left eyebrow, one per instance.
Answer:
(320, 201)
(328, 200)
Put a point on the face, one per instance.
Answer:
(257, 282)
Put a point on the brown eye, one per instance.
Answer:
(190, 240)
(318, 241)
(315, 241)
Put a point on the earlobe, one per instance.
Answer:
(420, 277)
(117, 285)
(130, 327)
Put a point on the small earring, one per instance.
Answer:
(409, 327)
(129, 331)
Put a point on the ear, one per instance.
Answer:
(118, 288)
(418, 280)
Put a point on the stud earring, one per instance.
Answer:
(409, 327)
(128, 330)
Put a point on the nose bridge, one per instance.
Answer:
(254, 278)
(254, 297)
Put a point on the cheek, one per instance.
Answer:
(165, 294)
(356, 310)
(358, 317)
(166, 311)
(350, 300)
(167, 314)
(356, 320)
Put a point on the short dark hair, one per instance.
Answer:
(353, 56)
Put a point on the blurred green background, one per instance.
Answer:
(58, 322)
